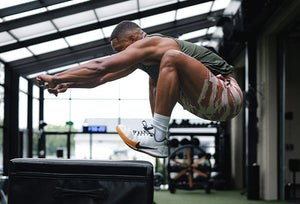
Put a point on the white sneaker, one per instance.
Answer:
(144, 140)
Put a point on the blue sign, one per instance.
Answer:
(95, 129)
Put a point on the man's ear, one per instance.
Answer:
(133, 38)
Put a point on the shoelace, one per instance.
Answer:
(145, 131)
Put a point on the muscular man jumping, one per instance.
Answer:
(179, 71)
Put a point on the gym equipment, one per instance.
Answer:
(189, 165)
(294, 166)
(192, 168)
(52, 181)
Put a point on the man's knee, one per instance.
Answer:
(170, 58)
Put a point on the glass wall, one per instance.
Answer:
(122, 101)
(124, 98)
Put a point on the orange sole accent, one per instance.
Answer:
(133, 144)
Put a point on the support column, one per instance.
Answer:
(29, 119)
(251, 133)
(11, 118)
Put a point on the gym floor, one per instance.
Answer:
(199, 196)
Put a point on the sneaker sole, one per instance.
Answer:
(133, 144)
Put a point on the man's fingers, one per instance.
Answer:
(39, 80)
(53, 91)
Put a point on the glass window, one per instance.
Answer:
(23, 84)
(158, 19)
(24, 14)
(85, 37)
(35, 140)
(48, 46)
(65, 95)
(61, 69)
(135, 109)
(75, 20)
(83, 109)
(15, 54)
(115, 10)
(194, 34)
(23, 110)
(144, 5)
(105, 91)
(5, 4)
(108, 30)
(54, 142)
(135, 86)
(220, 4)
(35, 114)
(34, 30)
(36, 91)
(2, 74)
(6, 38)
(56, 112)
(65, 4)
(193, 10)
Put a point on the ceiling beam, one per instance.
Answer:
(93, 4)
(102, 24)
(28, 7)
(57, 13)
(100, 48)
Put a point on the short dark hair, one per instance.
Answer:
(122, 28)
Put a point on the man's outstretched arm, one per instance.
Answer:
(62, 87)
(96, 69)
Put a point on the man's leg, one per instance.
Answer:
(178, 70)
(206, 95)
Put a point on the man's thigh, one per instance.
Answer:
(219, 100)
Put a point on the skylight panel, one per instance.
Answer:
(24, 14)
(15, 55)
(213, 43)
(220, 4)
(60, 69)
(85, 37)
(232, 8)
(48, 46)
(116, 10)
(31, 76)
(218, 33)
(7, 3)
(158, 19)
(108, 30)
(65, 4)
(205, 43)
(75, 20)
(34, 30)
(211, 30)
(194, 34)
(144, 5)
(194, 10)
(6, 38)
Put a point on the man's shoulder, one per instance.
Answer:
(153, 40)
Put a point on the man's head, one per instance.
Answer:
(125, 34)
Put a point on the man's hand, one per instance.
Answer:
(52, 86)
(60, 88)
(46, 80)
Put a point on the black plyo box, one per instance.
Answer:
(61, 181)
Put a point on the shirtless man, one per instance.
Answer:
(179, 71)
